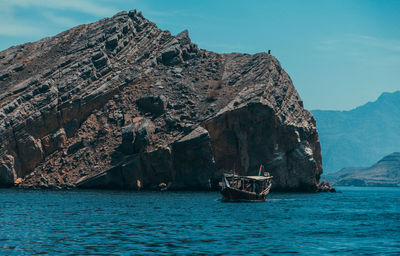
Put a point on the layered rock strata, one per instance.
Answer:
(120, 103)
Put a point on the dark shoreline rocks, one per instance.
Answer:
(121, 104)
(324, 186)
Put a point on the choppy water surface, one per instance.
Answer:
(357, 221)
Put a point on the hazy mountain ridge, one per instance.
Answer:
(385, 173)
(361, 136)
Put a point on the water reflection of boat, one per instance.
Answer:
(237, 188)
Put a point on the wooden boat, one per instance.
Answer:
(237, 188)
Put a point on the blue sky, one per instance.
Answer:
(339, 54)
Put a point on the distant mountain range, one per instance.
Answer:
(386, 172)
(361, 136)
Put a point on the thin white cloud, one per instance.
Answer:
(12, 29)
(176, 13)
(63, 21)
(95, 8)
(359, 41)
(363, 50)
(388, 44)
(50, 11)
(11, 26)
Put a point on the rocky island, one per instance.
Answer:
(120, 103)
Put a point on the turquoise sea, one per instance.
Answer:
(358, 221)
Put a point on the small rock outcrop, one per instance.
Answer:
(155, 105)
(120, 103)
(7, 171)
(193, 160)
(136, 136)
(324, 186)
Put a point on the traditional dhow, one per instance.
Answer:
(237, 188)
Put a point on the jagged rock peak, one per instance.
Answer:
(119, 103)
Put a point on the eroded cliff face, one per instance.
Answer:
(120, 103)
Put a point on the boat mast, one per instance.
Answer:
(259, 171)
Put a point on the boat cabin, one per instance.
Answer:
(245, 188)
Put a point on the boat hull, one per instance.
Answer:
(236, 195)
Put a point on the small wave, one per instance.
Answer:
(281, 199)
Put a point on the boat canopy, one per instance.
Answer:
(258, 178)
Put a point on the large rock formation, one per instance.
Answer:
(120, 103)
